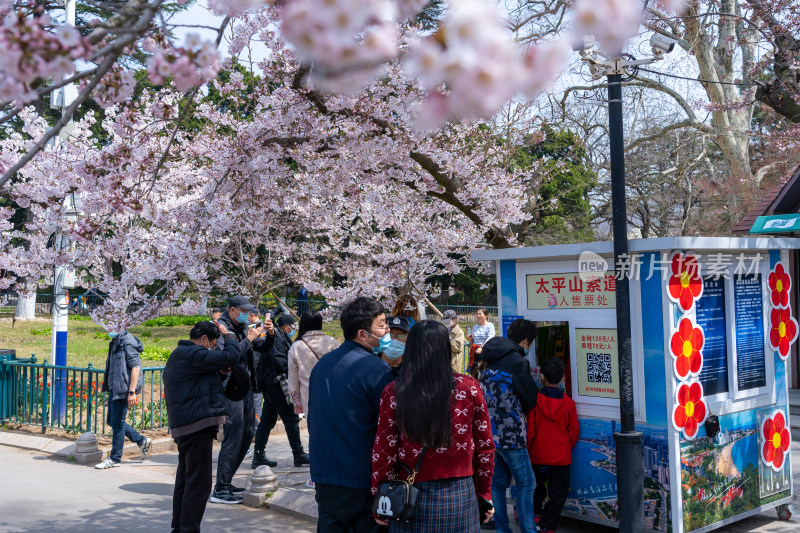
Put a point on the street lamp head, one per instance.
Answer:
(662, 44)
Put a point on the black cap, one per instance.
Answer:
(285, 319)
(242, 303)
(398, 322)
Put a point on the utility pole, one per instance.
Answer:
(630, 474)
(61, 241)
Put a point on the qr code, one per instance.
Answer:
(598, 367)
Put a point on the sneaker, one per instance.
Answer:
(249, 454)
(225, 496)
(236, 490)
(145, 445)
(108, 463)
(310, 484)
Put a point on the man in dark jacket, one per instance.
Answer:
(238, 428)
(510, 393)
(275, 403)
(345, 390)
(195, 402)
(122, 380)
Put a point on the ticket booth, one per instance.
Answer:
(712, 327)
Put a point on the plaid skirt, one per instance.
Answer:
(443, 506)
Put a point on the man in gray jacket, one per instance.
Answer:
(123, 381)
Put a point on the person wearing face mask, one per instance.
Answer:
(399, 326)
(123, 381)
(456, 335)
(195, 402)
(275, 402)
(238, 429)
(344, 393)
(510, 394)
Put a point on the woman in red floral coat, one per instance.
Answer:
(431, 407)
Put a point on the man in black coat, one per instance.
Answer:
(275, 403)
(196, 407)
(239, 425)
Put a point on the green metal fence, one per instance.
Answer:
(71, 398)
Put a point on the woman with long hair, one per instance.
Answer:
(308, 347)
(431, 410)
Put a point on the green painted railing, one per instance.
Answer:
(71, 398)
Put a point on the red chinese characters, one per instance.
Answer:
(779, 284)
(685, 347)
(685, 286)
(782, 331)
(777, 440)
(690, 409)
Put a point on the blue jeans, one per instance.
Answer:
(508, 463)
(117, 414)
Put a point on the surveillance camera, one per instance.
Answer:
(662, 44)
(584, 43)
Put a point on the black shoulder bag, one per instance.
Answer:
(396, 498)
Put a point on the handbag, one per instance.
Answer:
(397, 498)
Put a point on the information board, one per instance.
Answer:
(570, 291)
(507, 320)
(749, 320)
(711, 316)
(596, 355)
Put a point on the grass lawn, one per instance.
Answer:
(88, 343)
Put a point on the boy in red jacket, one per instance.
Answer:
(553, 431)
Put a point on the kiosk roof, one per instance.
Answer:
(561, 251)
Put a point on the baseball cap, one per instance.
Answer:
(285, 319)
(449, 316)
(242, 303)
(398, 322)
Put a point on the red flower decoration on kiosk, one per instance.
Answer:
(685, 346)
(779, 284)
(782, 331)
(777, 440)
(690, 409)
(685, 285)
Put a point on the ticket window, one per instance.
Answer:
(552, 340)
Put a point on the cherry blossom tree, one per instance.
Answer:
(368, 145)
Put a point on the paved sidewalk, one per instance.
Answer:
(48, 494)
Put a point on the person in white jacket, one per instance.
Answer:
(308, 347)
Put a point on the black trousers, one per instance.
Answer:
(344, 510)
(274, 406)
(238, 436)
(192, 480)
(553, 482)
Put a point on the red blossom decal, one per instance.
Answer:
(685, 285)
(690, 409)
(777, 440)
(779, 285)
(685, 346)
(782, 331)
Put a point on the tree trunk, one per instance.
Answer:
(26, 306)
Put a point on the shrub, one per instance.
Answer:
(154, 353)
(161, 321)
(45, 331)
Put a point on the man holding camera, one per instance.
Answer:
(195, 402)
(238, 428)
(275, 400)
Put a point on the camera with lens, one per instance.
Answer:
(662, 44)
